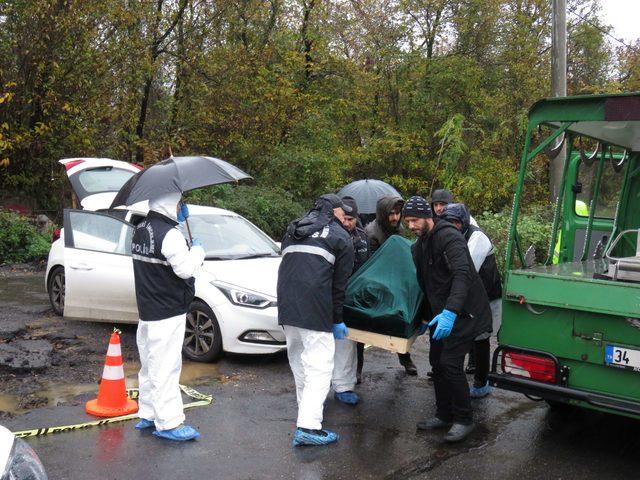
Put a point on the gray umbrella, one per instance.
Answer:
(367, 192)
(176, 175)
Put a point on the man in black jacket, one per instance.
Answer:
(349, 357)
(317, 259)
(387, 223)
(484, 261)
(457, 303)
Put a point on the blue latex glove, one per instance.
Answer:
(195, 242)
(444, 322)
(422, 328)
(340, 331)
(183, 213)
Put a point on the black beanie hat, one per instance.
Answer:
(442, 195)
(417, 207)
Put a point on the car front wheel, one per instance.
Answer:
(56, 290)
(202, 339)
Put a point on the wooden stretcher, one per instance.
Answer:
(387, 342)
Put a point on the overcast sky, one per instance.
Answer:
(624, 16)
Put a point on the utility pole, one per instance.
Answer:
(558, 83)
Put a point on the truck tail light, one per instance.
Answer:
(56, 235)
(528, 365)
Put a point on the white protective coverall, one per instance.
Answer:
(480, 247)
(160, 341)
(311, 359)
(345, 364)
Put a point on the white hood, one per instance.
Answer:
(6, 444)
(259, 275)
(166, 205)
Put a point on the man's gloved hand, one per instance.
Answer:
(183, 213)
(444, 322)
(422, 328)
(340, 331)
(196, 243)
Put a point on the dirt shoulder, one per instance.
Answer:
(44, 359)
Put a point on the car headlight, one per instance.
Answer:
(23, 463)
(244, 298)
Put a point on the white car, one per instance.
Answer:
(90, 277)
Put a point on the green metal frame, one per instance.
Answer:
(593, 203)
(560, 113)
(526, 158)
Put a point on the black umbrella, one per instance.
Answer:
(367, 192)
(176, 175)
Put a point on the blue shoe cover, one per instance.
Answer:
(179, 434)
(308, 438)
(479, 392)
(144, 423)
(350, 398)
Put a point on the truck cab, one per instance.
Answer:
(570, 329)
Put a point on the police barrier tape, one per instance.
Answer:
(201, 400)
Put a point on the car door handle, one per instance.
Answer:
(81, 266)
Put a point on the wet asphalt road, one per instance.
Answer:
(246, 433)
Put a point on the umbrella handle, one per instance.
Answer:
(186, 222)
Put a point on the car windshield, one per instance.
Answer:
(103, 179)
(230, 237)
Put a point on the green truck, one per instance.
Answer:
(570, 330)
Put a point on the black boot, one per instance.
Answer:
(471, 365)
(407, 363)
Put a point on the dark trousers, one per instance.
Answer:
(446, 356)
(482, 353)
(404, 358)
(360, 349)
(360, 346)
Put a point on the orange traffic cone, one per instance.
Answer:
(112, 395)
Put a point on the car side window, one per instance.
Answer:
(97, 232)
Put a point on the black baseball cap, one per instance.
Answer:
(336, 202)
(351, 203)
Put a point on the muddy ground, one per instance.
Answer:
(50, 351)
(48, 361)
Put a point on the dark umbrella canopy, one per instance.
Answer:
(176, 175)
(366, 193)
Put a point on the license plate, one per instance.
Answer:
(616, 356)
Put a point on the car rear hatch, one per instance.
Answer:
(96, 181)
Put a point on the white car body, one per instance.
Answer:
(94, 251)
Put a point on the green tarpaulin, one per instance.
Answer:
(383, 296)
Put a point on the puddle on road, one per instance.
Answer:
(23, 289)
(49, 397)
(193, 374)
(9, 403)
